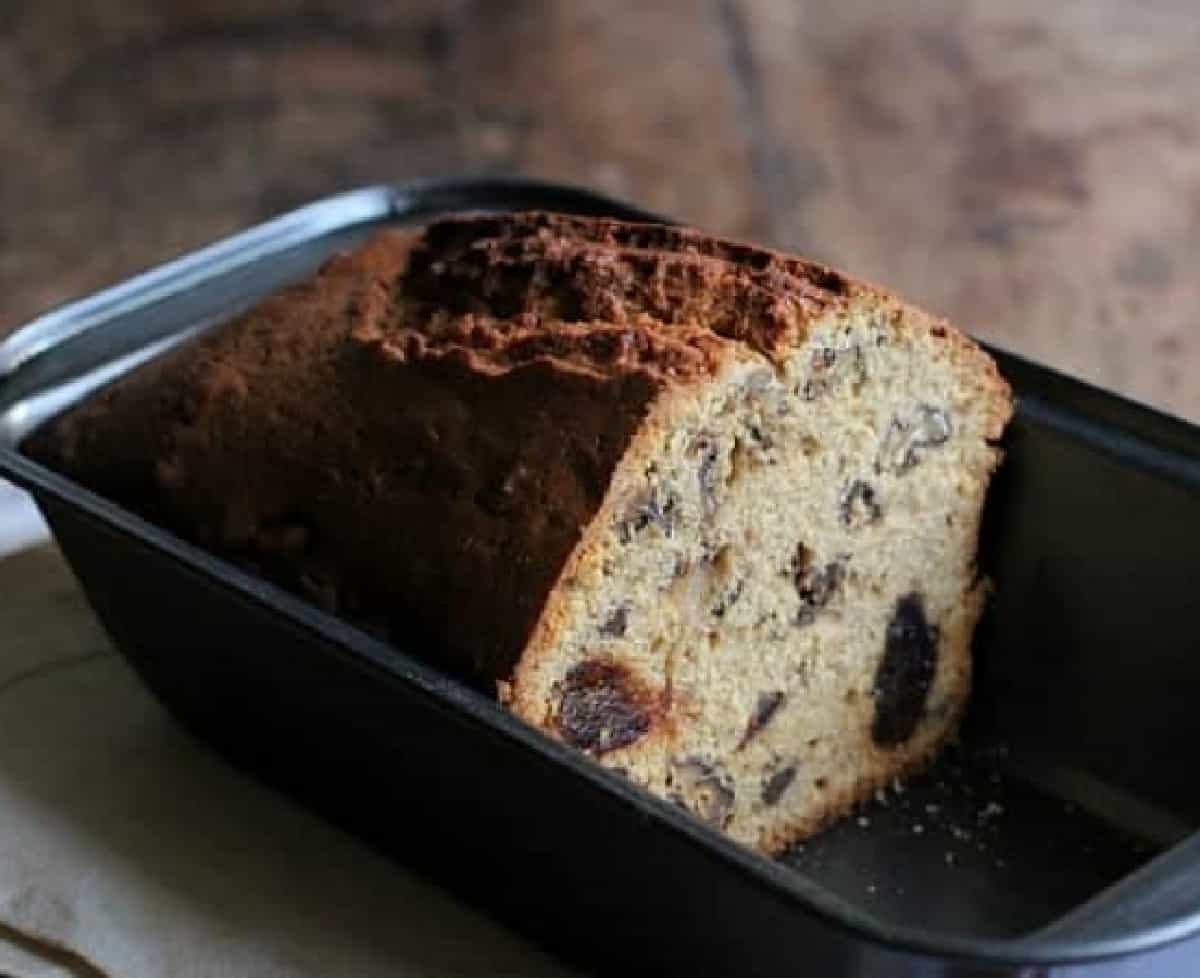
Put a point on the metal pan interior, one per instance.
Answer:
(1067, 782)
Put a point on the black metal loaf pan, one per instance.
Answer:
(1059, 840)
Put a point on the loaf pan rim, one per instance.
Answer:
(349, 641)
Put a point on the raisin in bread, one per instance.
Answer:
(705, 512)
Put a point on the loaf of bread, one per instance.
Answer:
(706, 512)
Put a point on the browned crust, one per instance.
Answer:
(575, 268)
(568, 267)
(420, 436)
(441, 517)
(542, 232)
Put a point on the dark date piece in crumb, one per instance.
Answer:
(905, 673)
(779, 782)
(703, 788)
(707, 473)
(860, 505)
(815, 585)
(655, 509)
(728, 599)
(615, 625)
(604, 707)
(766, 707)
(908, 439)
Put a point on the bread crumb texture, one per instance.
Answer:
(705, 512)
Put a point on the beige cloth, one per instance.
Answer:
(21, 525)
(130, 845)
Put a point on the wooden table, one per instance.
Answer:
(1031, 169)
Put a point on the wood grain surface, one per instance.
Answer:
(1030, 169)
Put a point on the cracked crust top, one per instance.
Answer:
(436, 410)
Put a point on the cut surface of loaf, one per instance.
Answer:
(705, 512)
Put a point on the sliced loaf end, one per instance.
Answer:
(771, 615)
